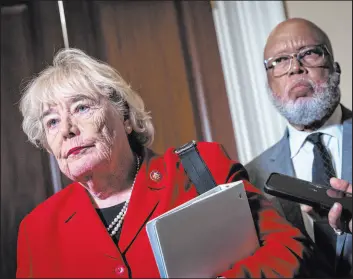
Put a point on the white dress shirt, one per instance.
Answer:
(302, 152)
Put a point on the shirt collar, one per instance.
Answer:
(331, 127)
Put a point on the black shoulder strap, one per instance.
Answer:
(195, 167)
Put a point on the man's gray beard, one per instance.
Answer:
(325, 99)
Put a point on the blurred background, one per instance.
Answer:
(197, 65)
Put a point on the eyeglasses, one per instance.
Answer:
(310, 56)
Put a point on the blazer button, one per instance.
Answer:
(120, 270)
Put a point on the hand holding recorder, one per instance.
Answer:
(334, 215)
(316, 196)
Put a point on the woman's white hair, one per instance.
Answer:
(74, 72)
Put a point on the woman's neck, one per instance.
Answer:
(114, 187)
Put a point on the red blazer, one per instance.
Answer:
(64, 236)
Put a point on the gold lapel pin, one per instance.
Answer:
(156, 176)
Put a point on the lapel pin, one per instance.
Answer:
(156, 176)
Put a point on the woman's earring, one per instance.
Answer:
(128, 129)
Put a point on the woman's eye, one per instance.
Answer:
(82, 108)
(52, 123)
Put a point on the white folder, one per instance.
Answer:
(205, 236)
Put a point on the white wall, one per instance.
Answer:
(335, 18)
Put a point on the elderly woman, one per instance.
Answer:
(81, 111)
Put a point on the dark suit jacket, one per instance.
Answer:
(277, 159)
(64, 237)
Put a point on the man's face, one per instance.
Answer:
(303, 94)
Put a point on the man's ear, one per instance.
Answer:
(337, 67)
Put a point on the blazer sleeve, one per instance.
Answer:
(283, 249)
(23, 253)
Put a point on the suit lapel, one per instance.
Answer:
(344, 243)
(143, 202)
(281, 159)
(347, 151)
(281, 162)
(79, 215)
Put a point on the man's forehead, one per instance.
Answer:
(291, 39)
(290, 44)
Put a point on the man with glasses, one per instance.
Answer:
(303, 79)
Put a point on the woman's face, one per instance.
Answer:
(86, 136)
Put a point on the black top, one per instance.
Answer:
(108, 214)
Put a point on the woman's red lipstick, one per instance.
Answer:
(76, 150)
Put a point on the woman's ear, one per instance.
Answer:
(128, 126)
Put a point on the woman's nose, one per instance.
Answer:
(69, 129)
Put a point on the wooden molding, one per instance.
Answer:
(207, 81)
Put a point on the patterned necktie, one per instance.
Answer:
(322, 169)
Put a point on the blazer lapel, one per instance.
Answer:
(347, 151)
(143, 202)
(281, 159)
(281, 162)
(79, 215)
